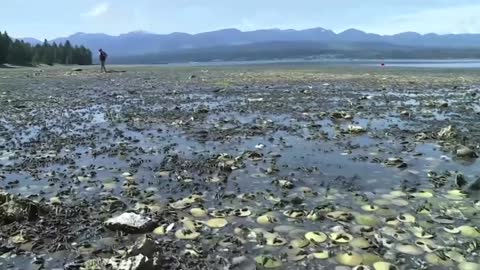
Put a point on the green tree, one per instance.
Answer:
(55, 53)
(68, 53)
(61, 54)
(37, 54)
(5, 43)
(19, 53)
(48, 56)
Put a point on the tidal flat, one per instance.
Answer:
(239, 167)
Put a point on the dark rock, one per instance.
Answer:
(17, 209)
(460, 180)
(144, 245)
(475, 186)
(466, 152)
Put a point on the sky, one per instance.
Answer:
(60, 18)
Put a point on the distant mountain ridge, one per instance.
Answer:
(139, 43)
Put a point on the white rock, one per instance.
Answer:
(260, 146)
(129, 222)
(356, 129)
(447, 133)
(139, 262)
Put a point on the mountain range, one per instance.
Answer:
(138, 43)
(233, 44)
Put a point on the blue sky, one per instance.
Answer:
(56, 18)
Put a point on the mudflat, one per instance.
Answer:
(239, 167)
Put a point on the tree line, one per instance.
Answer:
(18, 52)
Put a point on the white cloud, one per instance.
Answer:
(97, 10)
(460, 19)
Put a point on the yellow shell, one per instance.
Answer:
(426, 244)
(322, 255)
(244, 212)
(367, 220)
(299, 243)
(406, 218)
(349, 258)
(361, 267)
(18, 239)
(316, 237)
(384, 266)
(398, 193)
(266, 219)
(392, 222)
(340, 237)
(454, 197)
(221, 213)
(409, 249)
(469, 231)
(340, 216)
(276, 241)
(381, 202)
(268, 261)
(160, 230)
(296, 254)
(451, 229)
(294, 213)
(364, 230)
(55, 201)
(179, 205)
(198, 212)
(313, 215)
(399, 202)
(186, 234)
(371, 258)
(424, 194)
(455, 255)
(217, 223)
(191, 224)
(370, 207)
(401, 235)
(468, 266)
(435, 259)
(360, 242)
(419, 232)
(457, 192)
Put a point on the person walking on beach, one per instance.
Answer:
(103, 58)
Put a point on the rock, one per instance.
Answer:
(139, 262)
(356, 129)
(130, 223)
(405, 113)
(243, 263)
(421, 136)
(17, 209)
(447, 133)
(342, 115)
(94, 264)
(202, 109)
(144, 245)
(3, 196)
(460, 180)
(466, 152)
(475, 186)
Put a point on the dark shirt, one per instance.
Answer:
(103, 56)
